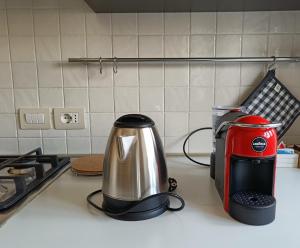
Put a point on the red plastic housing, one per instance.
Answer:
(239, 142)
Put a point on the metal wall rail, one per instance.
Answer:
(191, 59)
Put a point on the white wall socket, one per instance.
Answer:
(34, 118)
(69, 118)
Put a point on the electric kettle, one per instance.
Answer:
(135, 178)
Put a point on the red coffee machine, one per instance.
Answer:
(244, 168)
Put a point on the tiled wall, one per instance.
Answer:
(38, 36)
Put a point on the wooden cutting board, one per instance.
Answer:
(88, 165)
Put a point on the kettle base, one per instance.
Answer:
(146, 210)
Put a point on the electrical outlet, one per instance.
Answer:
(69, 118)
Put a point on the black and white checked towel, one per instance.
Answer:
(273, 101)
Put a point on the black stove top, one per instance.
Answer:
(22, 175)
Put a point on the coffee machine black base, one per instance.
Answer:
(252, 208)
(148, 209)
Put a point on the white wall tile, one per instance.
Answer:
(151, 46)
(282, 22)
(177, 74)
(289, 75)
(176, 46)
(254, 45)
(101, 100)
(20, 21)
(173, 144)
(73, 46)
(45, 4)
(75, 4)
(75, 75)
(101, 124)
(16, 4)
(280, 45)
(151, 74)
(297, 29)
(55, 145)
(4, 49)
(201, 99)
(72, 23)
(46, 22)
(124, 23)
(28, 144)
(229, 22)
(99, 145)
(98, 24)
(202, 74)
(26, 98)
(22, 49)
(8, 146)
(125, 46)
(203, 23)
(5, 75)
(99, 46)
(100, 80)
(53, 133)
(48, 48)
(296, 45)
(50, 74)
(77, 98)
(177, 23)
(126, 99)
(251, 74)
(6, 101)
(79, 145)
(51, 97)
(152, 99)
(150, 23)
(200, 142)
(3, 23)
(127, 75)
(24, 75)
(8, 126)
(227, 75)
(256, 22)
(176, 99)
(228, 45)
(227, 96)
(202, 46)
(176, 124)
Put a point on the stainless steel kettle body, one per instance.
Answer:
(134, 162)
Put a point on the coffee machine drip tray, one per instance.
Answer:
(252, 208)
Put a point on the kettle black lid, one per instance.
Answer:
(134, 121)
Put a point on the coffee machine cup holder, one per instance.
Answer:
(245, 125)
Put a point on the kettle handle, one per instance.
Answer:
(247, 125)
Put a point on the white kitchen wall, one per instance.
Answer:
(38, 36)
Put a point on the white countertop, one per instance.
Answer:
(60, 217)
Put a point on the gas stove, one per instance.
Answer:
(23, 177)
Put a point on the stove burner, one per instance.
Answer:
(22, 172)
(22, 175)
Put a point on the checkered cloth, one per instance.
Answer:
(273, 101)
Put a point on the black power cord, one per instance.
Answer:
(186, 140)
(172, 183)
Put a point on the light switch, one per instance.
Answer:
(34, 118)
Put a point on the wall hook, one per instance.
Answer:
(100, 65)
(273, 65)
(115, 65)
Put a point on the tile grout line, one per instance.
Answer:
(13, 81)
(37, 75)
(88, 88)
(62, 73)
